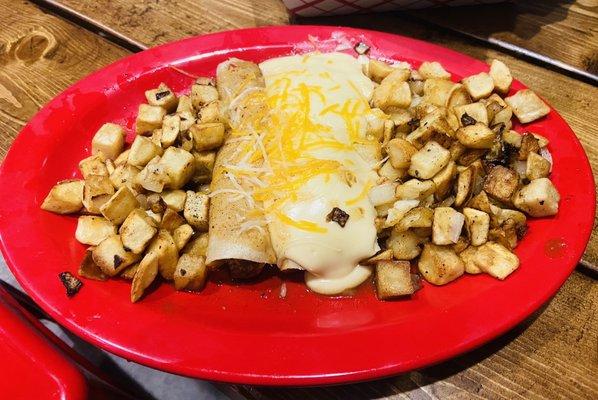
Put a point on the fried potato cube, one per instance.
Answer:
(88, 269)
(162, 97)
(477, 224)
(145, 274)
(92, 230)
(93, 165)
(378, 70)
(501, 183)
(153, 176)
(122, 158)
(513, 138)
(148, 119)
(447, 225)
(438, 91)
(405, 245)
(155, 203)
(537, 167)
(197, 246)
(529, 144)
(458, 96)
(210, 113)
(398, 211)
(429, 160)
(433, 70)
(440, 265)
(108, 140)
(196, 210)
(527, 106)
(143, 150)
(393, 91)
(401, 119)
(476, 136)
(431, 122)
(125, 175)
(65, 197)
(390, 173)
(501, 215)
(119, 206)
(97, 190)
(400, 152)
(477, 111)
(496, 260)
(380, 194)
(137, 230)
(175, 199)
(462, 244)
(168, 254)
(539, 198)
(179, 166)
(415, 189)
(443, 180)
(129, 272)
(185, 104)
(203, 94)
(111, 256)
(207, 136)
(479, 86)
(171, 126)
(181, 235)
(505, 234)
(187, 120)
(204, 165)
(191, 273)
(468, 257)
(501, 75)
(171, 220)
(542, 141)
(418, 217)
(393, 279)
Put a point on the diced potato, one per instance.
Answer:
(197, 246)
(179, 166)
(148, 119)
(109, 164)
(125, 175)
(429, 160)
(191, 273)
(203, 94)
(527, 106)
(111, 256)
(184, 105)
(108, 140)
(171, 126)
(378, 70)
(122, 158)
(393, 279)
(542, 141)
(204, 165)
(168, 254)
(512, 137)
(480, 202)
(476, 136)
(477, 224)
(501, 183)
(137, 230)
(175, 199)
(65, 197)
(145, 274)
(431, 122)
(401, 119)
(162, 97)
(432, 70)
(210, 113)
(468, 256)
(97, 190)
(171, 220)
(129, 272)
(501, 215)
(458, 97)
(88, 269)
(390, 173)
(529, 144)
(384, 255)
(447, 225)
(153, 176)
(393, 91)
(457, 150)
(461, 245)
(440, 265)
(181, 235)
(143, 150)
(464, 186)
(93, 165)
(443, 180)
(382, 194)
(418, 217)
(477, 111)
(207, 136)
(415, 189)
(538, 199)
(501, 75)
(400, 152)
(92, 230)
(405, 245)
(438, 91)
(479, 86)
(118, 207)
(496, 260)
(156, 217)
(398, 211)
(196, 210)
(187, 120)
(537, 167)
(505, 234)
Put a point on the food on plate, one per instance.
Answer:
(339, 166)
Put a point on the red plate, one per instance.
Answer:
(247, 334)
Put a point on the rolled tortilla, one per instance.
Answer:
(240, 85)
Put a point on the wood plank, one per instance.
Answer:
(552, 355)
(149, 23)
(565, 32)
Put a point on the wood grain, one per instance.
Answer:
(563, 31)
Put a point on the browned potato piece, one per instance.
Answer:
(143, 150)
(111, 256)
(527, 106)
(464, 186)
(137, 231)
(393, 279)
(197, 246)
(384, 255)
(118, 207)
(378, 70)
(175, 199)
(479, 86)
(529, 144)
(65, 197)
(203, 94)
(480, 202)
(513, 138)
(400, 152)
(537, 167)
(162, 97)
(462, 244)
(477, 224)
(447, 225)
(501, 183)
(433, 69)
(185, 104)
(418, 217)
(415, 189)
(171, 220)
(207, 136)
(429, 160)
(179, 166)
(210, 113)
(148, 119)
(476, 111)
(538, 199)
(88, 269)
(204, 165)
(505, 234)
(440, 265)
(168, 254)
(171, 126)
(93, 165)
(458, 97)
(181, 235)
(191, 273)
(393, 91)
(97, 191)
(145, 274)
(468, 256)
(405, 245)
(443, 180)
(476, 136)
(187, 120)
(432, 122)
(501, 75)
(438, 91)
(398, 210)
(124, 175)
(153, 176)
(390, 173)
(496, 260)
(108, 140)
(92, 230)
(196, 210)
(129, 272)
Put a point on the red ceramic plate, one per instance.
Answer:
(246, 333)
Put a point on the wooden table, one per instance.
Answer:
(552, 46)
